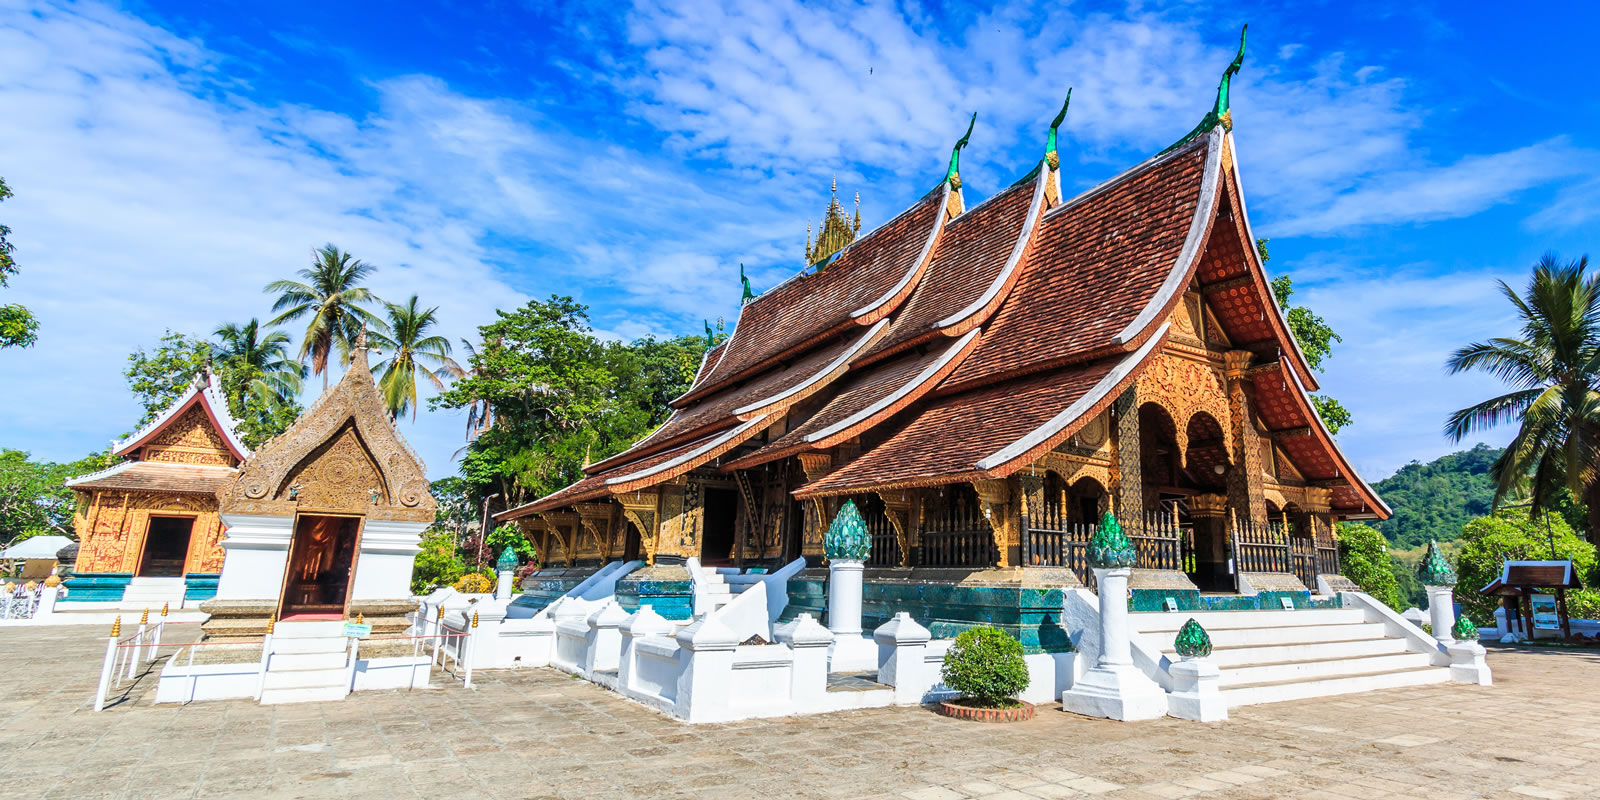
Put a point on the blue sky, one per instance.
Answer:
(171, 158)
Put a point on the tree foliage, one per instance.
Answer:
(412, 353)
(1553, 370)
(1486, 542)
(34, 500)
(559, 397)
(160, 375)
(986, 665)
(1433, 501)
(334, 300)
(1364, 558)
(18, 328)
(1316, 339)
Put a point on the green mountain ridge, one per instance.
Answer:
(1434, 500)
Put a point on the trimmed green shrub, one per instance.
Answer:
(985, 664)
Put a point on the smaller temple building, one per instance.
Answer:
(148, 528)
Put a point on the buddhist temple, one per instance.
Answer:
(148, 528)
(985, 378)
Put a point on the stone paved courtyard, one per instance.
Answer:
(537, 733)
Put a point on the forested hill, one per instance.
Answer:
(1433, 500)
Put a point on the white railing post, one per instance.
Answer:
(466, 642)
(106, 668)
(266, 658)
(350, 674)
(161, 626)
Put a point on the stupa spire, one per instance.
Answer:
(836, 229)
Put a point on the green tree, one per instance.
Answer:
(1364, 558)
(1552, 369)
(412, 352)
(18, 328)
(509, 535)
(334, 299)
(1432, 501)
(160, 375)
(1316, 339)
(34, 499)
(1487, 542)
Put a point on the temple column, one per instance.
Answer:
(1245, 495)
(1129, 476)
(1032, 493)
(818, 510)
(1000, 510)
(596, 520)
(1115, 688)
(897, 506)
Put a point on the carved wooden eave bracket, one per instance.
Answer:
(994, 497)
(639, 508)
(560, 522)
(897, 505)
(596, 519)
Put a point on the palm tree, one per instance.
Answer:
(411, 351)
(480, 415)
(1554, 369)
(333, 296)
(274, 376)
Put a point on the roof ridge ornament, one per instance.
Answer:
(748, 294)
(953, 174)
(1220, 113)
(1050, 156)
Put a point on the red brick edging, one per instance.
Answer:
(1019, 713)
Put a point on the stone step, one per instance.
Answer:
(164, 581)
(319, 694)
(308, 628)
(1249, 674)
(304, 678)
(1293, 634)
(310, 644)
(1225, 657)
(1302, 689)
(1212, 621)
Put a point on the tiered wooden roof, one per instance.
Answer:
(191, 447)
(966, 347)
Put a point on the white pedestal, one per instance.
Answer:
(1115, 688)
(1196, 694)
(1467, 664)
(1442, 613)
(850, 651)
(502, 585)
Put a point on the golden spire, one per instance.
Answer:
(474, 619)
(116, 627)
(144, 619)
(836, 229)
(164, 608)
(272, 622)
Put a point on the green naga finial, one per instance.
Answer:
(1109, 548)
(954, 173)
(1221, 110)
(711, 338)
(1465, 629)
(1193, 641)
(847, 538)
(1219, 113)
(748, 295)
(1435, 568)
(508, 560)
(1055, 125)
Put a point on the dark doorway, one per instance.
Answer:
(716, 540)
(166, 546)
(630, 545)
(321, 562)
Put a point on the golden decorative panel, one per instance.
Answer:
(264, 487)
(1185, 387)
(338, 476)
(189, 439)
(112, 529)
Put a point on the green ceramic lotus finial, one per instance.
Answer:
(1109, 548)
(1435, 568)
(1193, 641)
(1055, 125)
(847, 538)
(953, 173)
(1465, 630)
(508, 560)
(748, 295)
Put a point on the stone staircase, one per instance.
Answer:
(712, 590)
(310, 662)
(1272, 656)
(152, 593)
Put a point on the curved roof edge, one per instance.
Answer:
(1060, 426)
(980, 309)
(668, 470)
(823, 377)
(899, 398)
(884, 305)
(206, 389)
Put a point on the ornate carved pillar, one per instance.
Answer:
(1245, 494)
(639, 508)
(1032, 494)
(1129, 476)
(1000, 509)
(819, 510)
(897, 505)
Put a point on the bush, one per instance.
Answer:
(1364, 558)
(473, 583)
(986, 665)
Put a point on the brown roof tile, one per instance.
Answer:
(595, 486)
(806, 308)
(1097, 261)
(153, 476)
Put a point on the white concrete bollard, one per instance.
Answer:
(605, 639)
(705, 687)
(902, 658)
(1467, 664)
(850, 652)
(809, 683)
(1442, 613)
(1196, 693)
(643, 624)
(1115, 688)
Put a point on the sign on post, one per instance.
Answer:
(355, 630)
(1545, 617)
